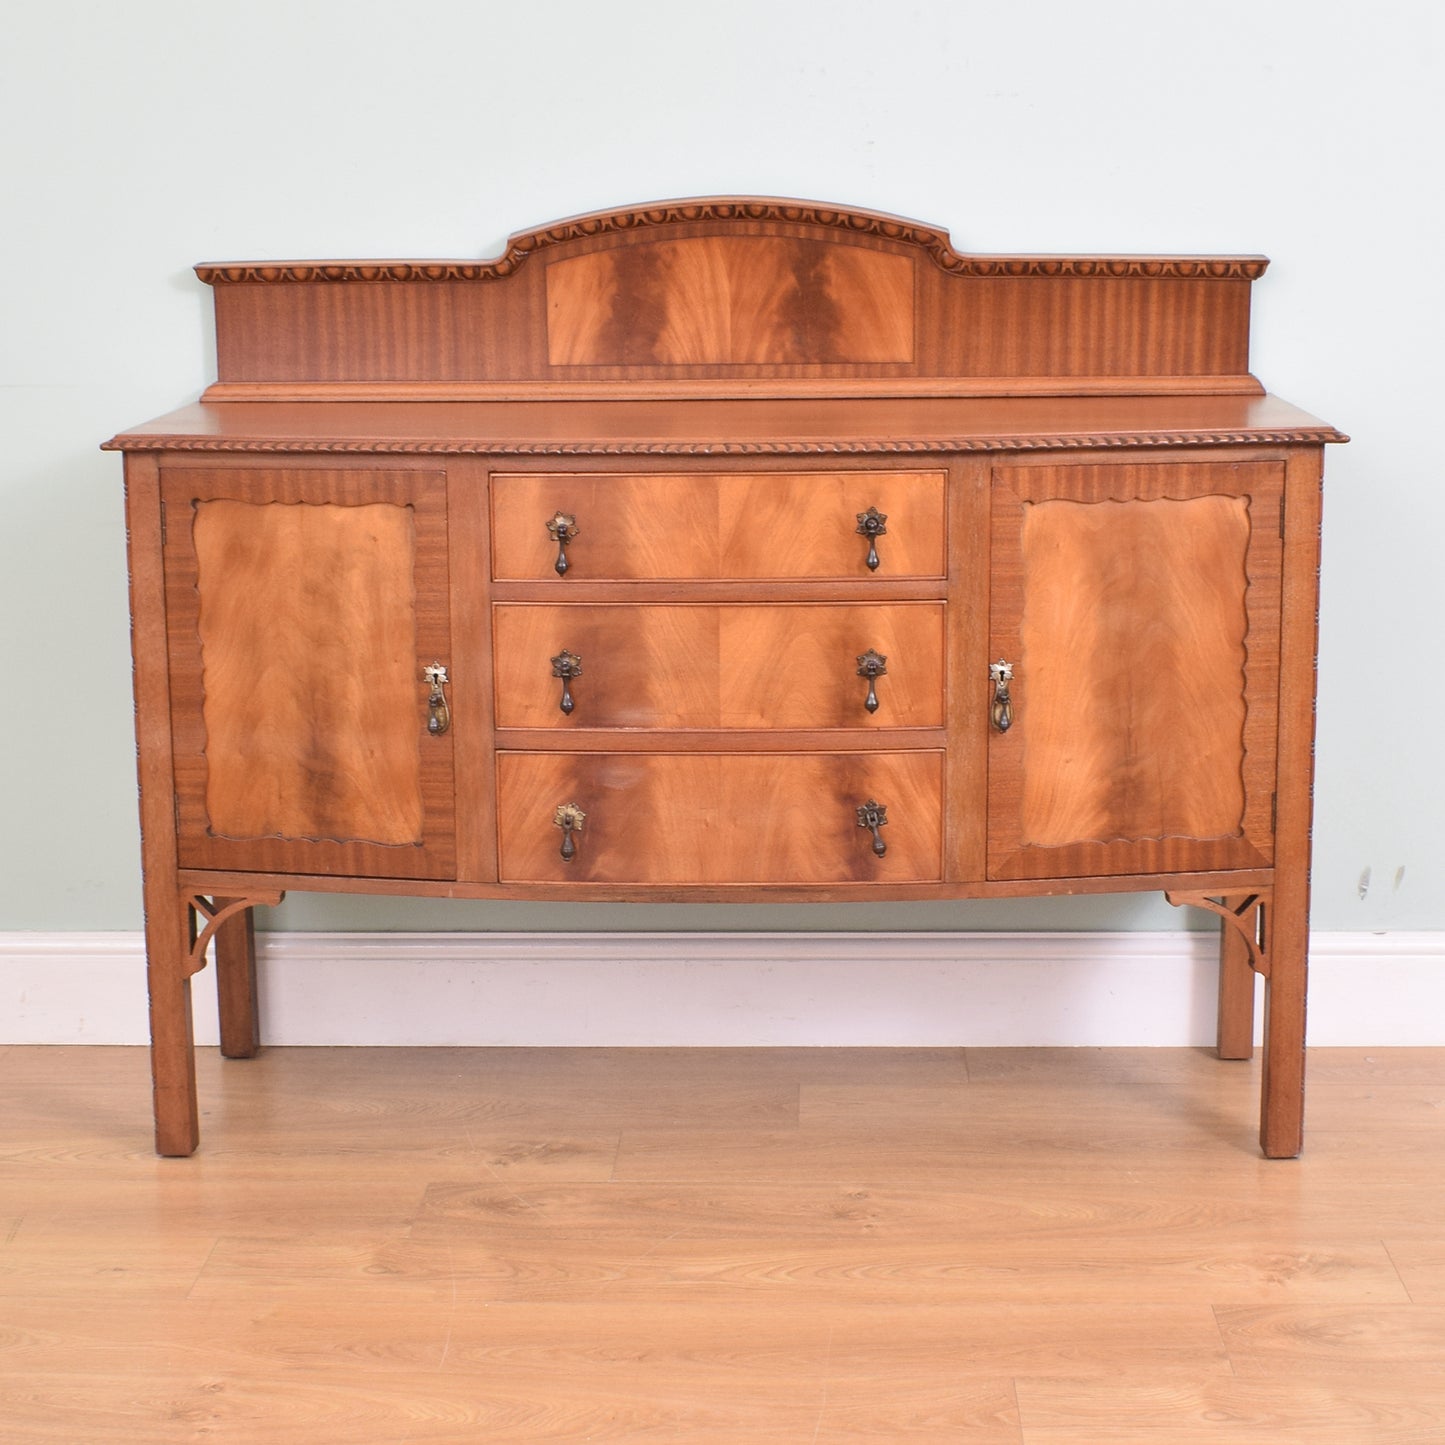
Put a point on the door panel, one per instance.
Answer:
(302, 608)
(1139, 606)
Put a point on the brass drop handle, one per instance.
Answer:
(873, 525)
(562, 529)
(569, 818)
(438, 714)
(872, 665)
(874, 816)
(1001, 712)
(567, 665)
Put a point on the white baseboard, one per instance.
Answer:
(722, 990)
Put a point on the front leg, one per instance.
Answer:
(1271, 936)
(169, 932)
(1281, 1126)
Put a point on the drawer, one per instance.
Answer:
(718, 818)
(729, 665)
(718, 526)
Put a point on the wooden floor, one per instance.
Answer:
(1061, 1247)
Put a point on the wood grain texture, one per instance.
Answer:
(708, 525)
(338, 679)
(302, 607)
(1133, 638)
(764, 666)
(1140, 608)
(700, 818)
(732, 290)
(389, 1244)
(725, 300)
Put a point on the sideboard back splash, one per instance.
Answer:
(729, 298)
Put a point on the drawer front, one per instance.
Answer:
(719, 818)
(732, 665)
(718, 526)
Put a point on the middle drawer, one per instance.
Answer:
(719, 665)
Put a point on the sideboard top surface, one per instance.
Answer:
(729, 427)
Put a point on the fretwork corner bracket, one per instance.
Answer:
(1246, 913)
(216, 911)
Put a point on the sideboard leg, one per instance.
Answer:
(1287, 921)
(1281, 1125)
(236, 998)
(1235, 1035)
(173, 1054)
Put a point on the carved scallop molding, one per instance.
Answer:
(880, 446)
(932, 240)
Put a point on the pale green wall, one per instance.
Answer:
(142, 138)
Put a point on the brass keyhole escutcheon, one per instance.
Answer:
(1001, 710)
(439, 715)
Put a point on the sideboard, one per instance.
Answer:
(727, 549)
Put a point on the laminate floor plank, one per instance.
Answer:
(1359, 1340)
(1061, 1207)
(1277, 1410)
(304, 1408)
(1088, 1066)
(953, 1268)
(1010, 1247)
(34, 1264)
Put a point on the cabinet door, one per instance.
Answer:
(1139, 606)
(302, 607)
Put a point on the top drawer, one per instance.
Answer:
(722, 526)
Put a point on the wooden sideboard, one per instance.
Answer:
(727, 549)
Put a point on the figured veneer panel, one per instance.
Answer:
(724, 526)
(303, 606)
(276, 665)
(776, 665)
(1133, 640)
(726, 300)
(715, 818)
(1139, 606)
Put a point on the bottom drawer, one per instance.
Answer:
(709, 818)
